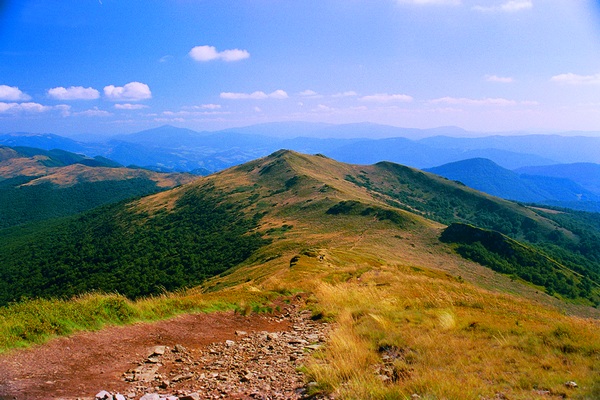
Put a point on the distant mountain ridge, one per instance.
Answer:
(37, 184)
(169, 148)
(489, 177)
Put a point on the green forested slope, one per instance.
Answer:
(115, 249)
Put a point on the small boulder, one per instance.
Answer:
(104, 395)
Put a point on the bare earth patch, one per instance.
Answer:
(82, 365)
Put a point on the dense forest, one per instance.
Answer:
(508, 256)
(22, 204)
(115, 249)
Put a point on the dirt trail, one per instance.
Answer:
(84, 364)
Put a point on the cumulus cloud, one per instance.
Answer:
(480, 102)
(129, 106)
(210, 53)
(6, 108)
(258, 95)
(73, 93)
(431, 2)
(349, 93)
(133, 91)
(203, 107)
(499, 79)
(574, 79)
(386, 98)
(12, 93)
(309, 93)
(94, 112)
(508, 6)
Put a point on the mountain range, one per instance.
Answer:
(168, 148)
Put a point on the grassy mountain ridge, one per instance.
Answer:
(271, 197)
(412, 316)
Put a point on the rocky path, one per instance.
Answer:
(203, 356)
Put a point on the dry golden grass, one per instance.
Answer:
(408, 333)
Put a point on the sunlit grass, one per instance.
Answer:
(36, 321)
(399, 333)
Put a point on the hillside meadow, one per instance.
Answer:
(408, 314)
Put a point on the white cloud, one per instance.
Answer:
(431, 2)
(574, 79)
(323, 108)
(481, 102)
(94, 112)
(166, 58)
(349, 93)
(258, 95)
(257, 109)
(499, 79)
(203, 107)
(508, 6)
(185, 113)
(210, 53)
(128, 106)
(386, 98)
(133, 91)
(12, 93)
(310, 93)
(73, 93)
(65, 110)
(7, 108)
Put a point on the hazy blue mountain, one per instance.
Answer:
(62, 158)
(504, 158)
(168, 148)
(165, 135)
(399, 150)
(362, 130)
(415, 154)
(585, 174)
(489, 177)
(45, 141)
(562, 149)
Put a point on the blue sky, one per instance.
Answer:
(113, 66)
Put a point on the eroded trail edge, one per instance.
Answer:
(202, 356)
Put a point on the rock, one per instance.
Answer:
(119, 396)
(179, 349)
(157, 351)
(261, 365)
(313, 347)
(192, 396)
(104, 395)
(150, 396)
(571, 384)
